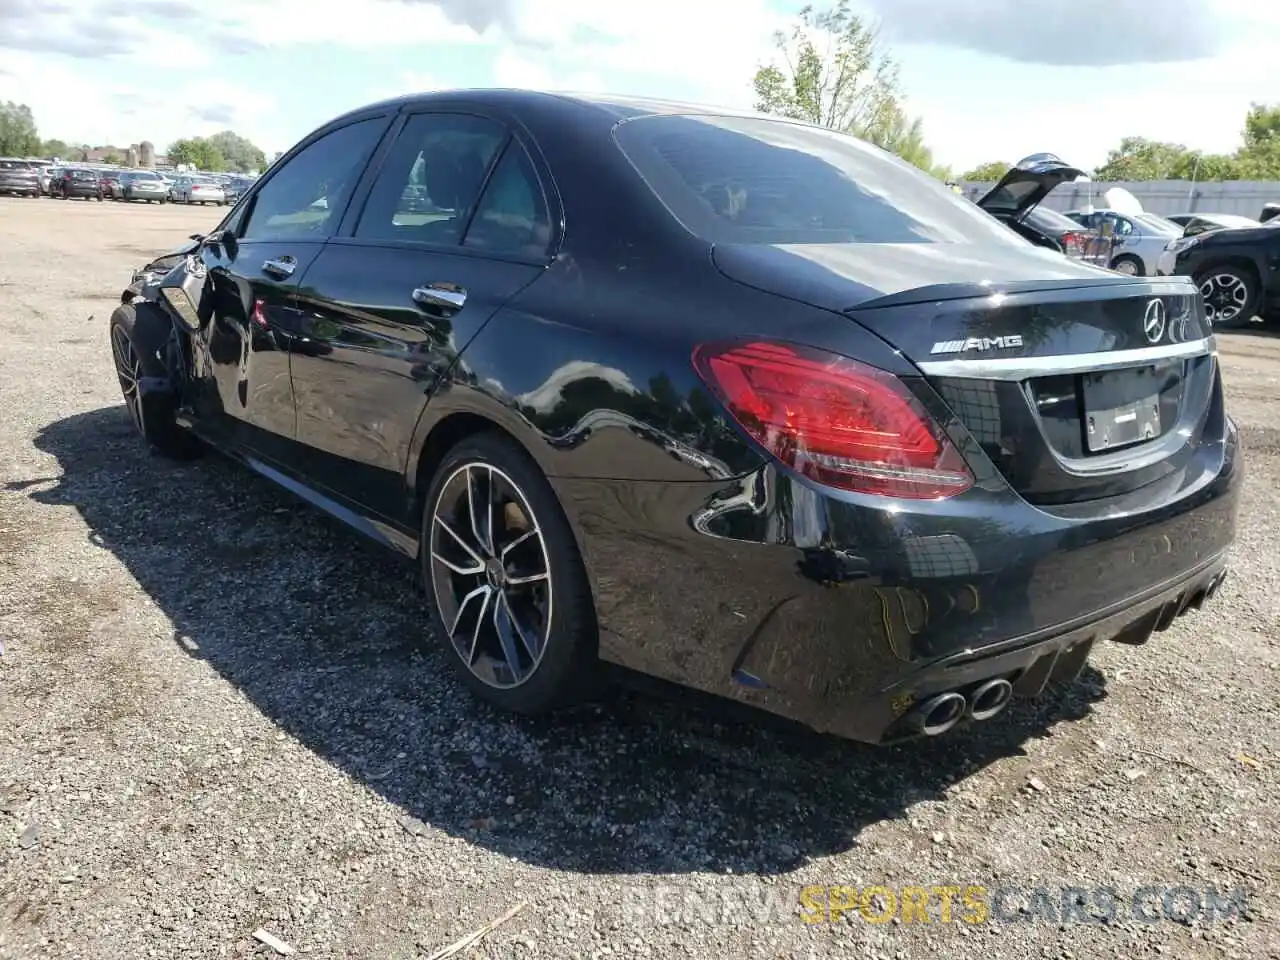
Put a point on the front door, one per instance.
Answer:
(255, 269)
(457, 223)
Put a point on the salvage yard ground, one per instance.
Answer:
(219, 713)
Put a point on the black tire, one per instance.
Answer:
(139, 334)
(564, 672)
(1129, 265)
(1226, 288)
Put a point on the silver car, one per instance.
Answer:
(191, 189)
(1138, 239)
(143, 185)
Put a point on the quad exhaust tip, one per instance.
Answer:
(990, 698)
(938, 714)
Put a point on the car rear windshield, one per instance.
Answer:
(15, 165)
(756, 180)
(143, 175)
(83, 175)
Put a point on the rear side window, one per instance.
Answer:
(431, 179)
(512, 216)
(755, 180)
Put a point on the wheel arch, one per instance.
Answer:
(447, 421)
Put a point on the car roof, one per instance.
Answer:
(620, 107)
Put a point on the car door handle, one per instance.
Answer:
(281, 266)
(440, 296)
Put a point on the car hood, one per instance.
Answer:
(1027, 183)
(842, 276)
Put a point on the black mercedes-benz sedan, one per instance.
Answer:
(729, 400)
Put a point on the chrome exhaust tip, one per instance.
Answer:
(990, 698)
(938, 714)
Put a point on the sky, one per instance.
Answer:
(992, 79)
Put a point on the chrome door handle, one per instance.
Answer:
(284, 266)
(440, 296)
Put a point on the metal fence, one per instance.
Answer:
(1243, 197)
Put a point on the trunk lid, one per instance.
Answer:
(1027, 183)
(1078, 384)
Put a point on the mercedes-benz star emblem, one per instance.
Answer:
(1153, 321)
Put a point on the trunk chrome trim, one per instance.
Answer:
(1026, 368)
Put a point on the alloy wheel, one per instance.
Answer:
(1225, 297)
(129, 370)
(1127, 267)
(491, 574)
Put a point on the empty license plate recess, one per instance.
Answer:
(1122, 407)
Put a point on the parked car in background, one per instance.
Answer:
(1015, 202)
(76, 182)
(1269, 212)
(45, 173)
(144, 185)
(189, 189)
(1137, 239)
(112, 185)
(1235, 269)
(234, 187)
(1196, 223)
(19, 178)
(740, 402)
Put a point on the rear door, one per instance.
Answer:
(254, 272)
(456, 222)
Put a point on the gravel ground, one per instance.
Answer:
(219, 713)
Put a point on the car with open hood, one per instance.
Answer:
(1016, 202)
(734, 401)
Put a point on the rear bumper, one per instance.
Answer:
(843, 615)
(27, 188)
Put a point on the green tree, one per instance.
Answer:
(904, 135)
(239, 153)
(1140, 159)
(54, 148)
(831, 71)
(198, 152)
(983, 172)
(112, 157)
(1259, 157)
(18, 135)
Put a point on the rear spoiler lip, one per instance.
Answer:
(975, 290)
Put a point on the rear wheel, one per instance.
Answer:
(511, 597)
(139, 334)
(1128, 265)
(1230, 295)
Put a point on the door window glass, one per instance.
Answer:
(305, 198)
(512, 215)
(431, 179)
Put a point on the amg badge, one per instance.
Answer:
(978, 343)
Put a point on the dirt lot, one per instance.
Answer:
(219, 713)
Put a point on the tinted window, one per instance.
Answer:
(512, 215)
(750, 180)
(305, 197)
(431, 179)
(142, 175)
(1050, 221)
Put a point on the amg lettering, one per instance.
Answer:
(1008, 341)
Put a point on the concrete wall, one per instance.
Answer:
(1244, 197)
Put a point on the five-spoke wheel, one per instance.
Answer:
(1229, 296)
(510, 592)
(491, 574)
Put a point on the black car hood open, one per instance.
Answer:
(841, 276)
(1027, 183)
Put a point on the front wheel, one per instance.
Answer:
(511, 596)
(1230, 295)
(139, 335)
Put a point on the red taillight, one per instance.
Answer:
(834, 420)
(1074, 244)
